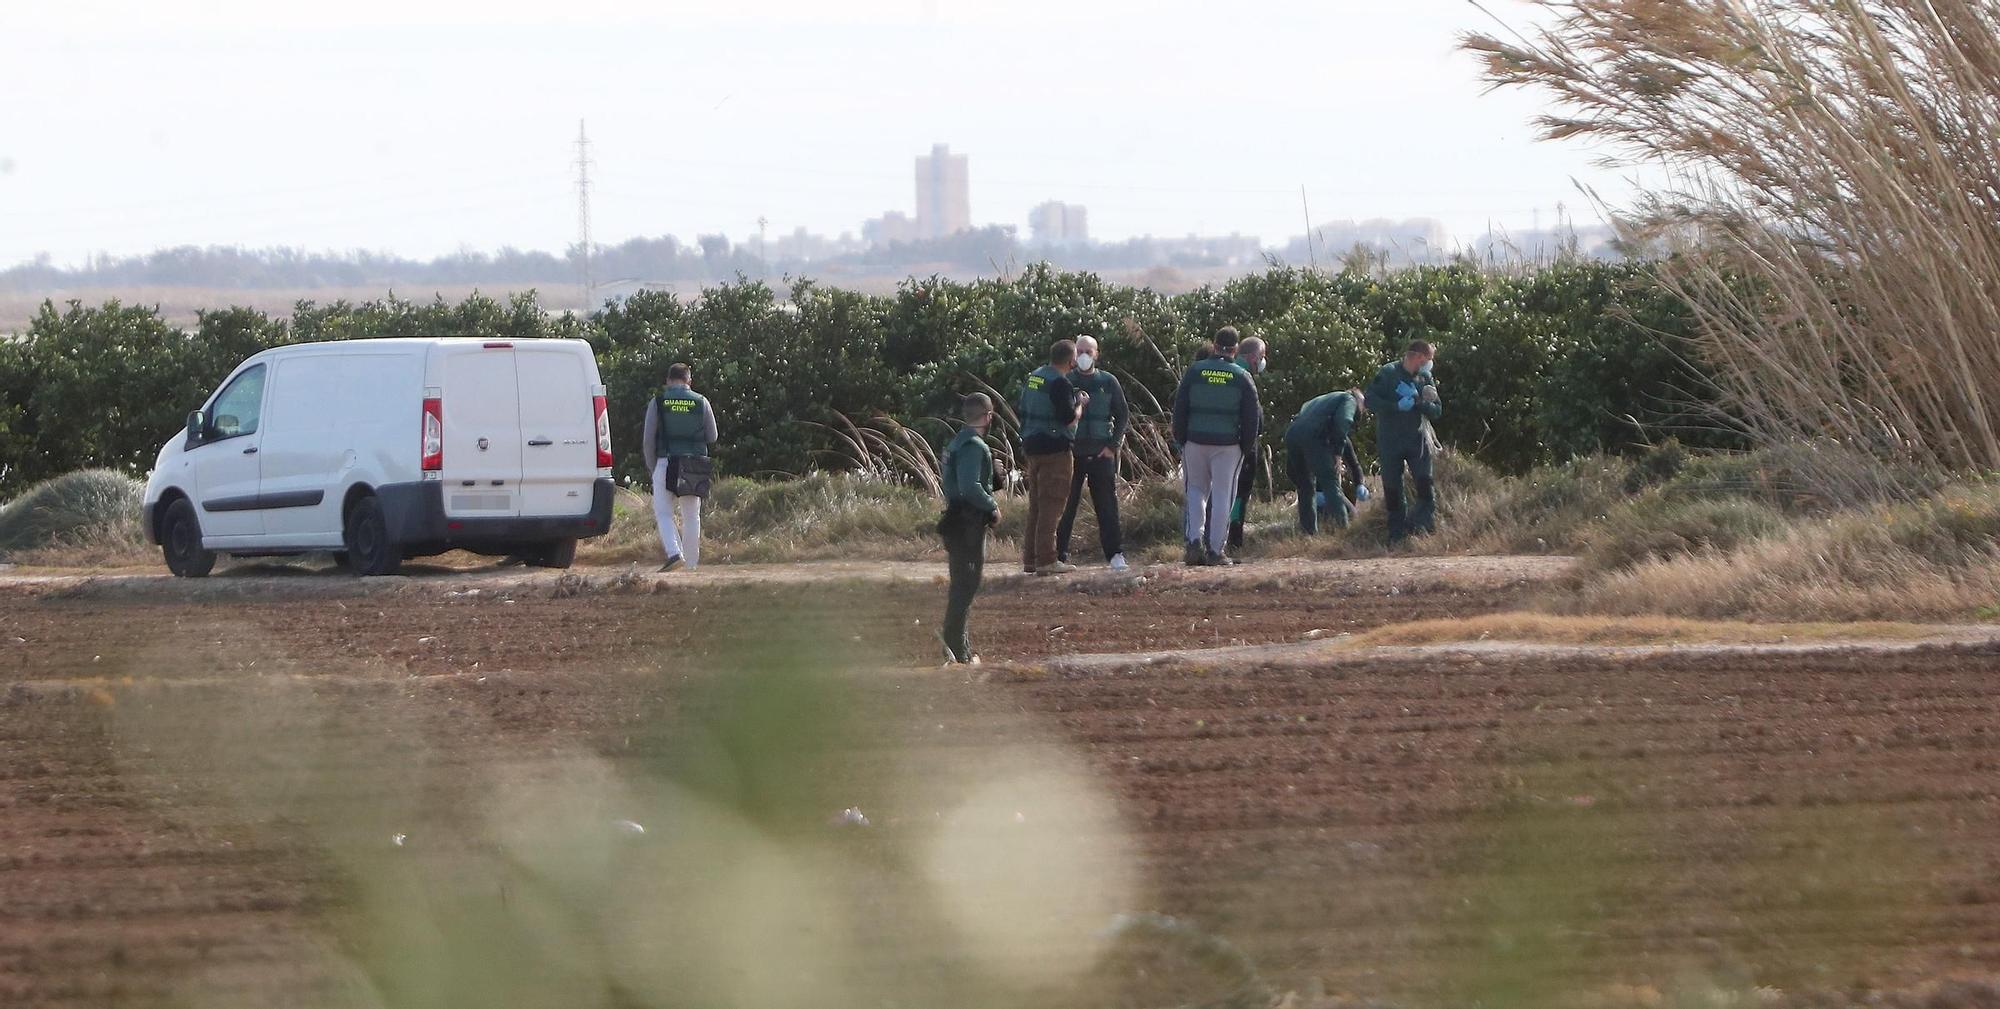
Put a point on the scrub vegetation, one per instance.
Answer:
(1720, 536)
(1670, 532)
(1569, 360)
(88, 517)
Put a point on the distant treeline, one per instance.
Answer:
(665, 259)
(1536, 368)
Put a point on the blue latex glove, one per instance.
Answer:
(1319, 500)
(1406, 389)
(1407, 403)
(1361, 492)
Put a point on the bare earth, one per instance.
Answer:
(1388, 822)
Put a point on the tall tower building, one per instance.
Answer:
(944, 198)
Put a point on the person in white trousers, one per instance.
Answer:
(680, 426)
(1216, 421)
(1208, 477)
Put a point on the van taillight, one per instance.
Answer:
(603, 431)
(433, 435)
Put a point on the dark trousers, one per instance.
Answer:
(1417, 456)
(1048, 480)
(1315, 469)
(964, 532)
(1240, 508)
(1102, 476)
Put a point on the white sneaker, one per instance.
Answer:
(1118, 562)
(1058, 568)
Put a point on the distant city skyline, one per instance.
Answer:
(425, 127)
(943, 195)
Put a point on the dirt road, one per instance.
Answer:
(205, 790)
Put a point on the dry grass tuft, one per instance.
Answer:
(1555, 629)
(818, 517)
(1935, 559)
(90, 517)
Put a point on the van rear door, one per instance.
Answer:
(558, 427)
(482, 430)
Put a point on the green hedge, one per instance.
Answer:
(1567, 361)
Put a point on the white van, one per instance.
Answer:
(379, 450)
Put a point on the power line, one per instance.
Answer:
(583, 164)
(1312, 260)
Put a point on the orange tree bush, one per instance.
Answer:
(1573, 359)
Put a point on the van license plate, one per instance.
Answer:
(481, 502)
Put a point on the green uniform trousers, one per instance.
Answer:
(1415, 455)
(1314, 469)
(964, 532)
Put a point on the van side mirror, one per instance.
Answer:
(196, 422)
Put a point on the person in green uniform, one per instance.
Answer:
(969, 512)
(1317, 443)
(1099, 436)
(1404, 399)
(1216, 421)
(680, 426)
(1049, 410)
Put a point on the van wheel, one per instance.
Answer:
(180, 542)
(560, 554)
(369, 550)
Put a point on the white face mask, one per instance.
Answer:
(1085, 362)
(1259, 370)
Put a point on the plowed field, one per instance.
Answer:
(265, 790)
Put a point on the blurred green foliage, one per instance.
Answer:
(1570, 360)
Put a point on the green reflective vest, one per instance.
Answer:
(968, 472)
(683, 427)
(1095, 427)
(1038, 414)
(1215, 401)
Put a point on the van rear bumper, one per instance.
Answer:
(415, 515)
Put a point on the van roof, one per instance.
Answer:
(411, 343)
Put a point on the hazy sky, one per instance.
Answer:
(420, 126)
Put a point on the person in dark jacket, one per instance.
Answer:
(1050, 410)
(1216, 420)
(1099, 436)
(680, 426)
(1404, 399)
(1317, 445)
(969, 512)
